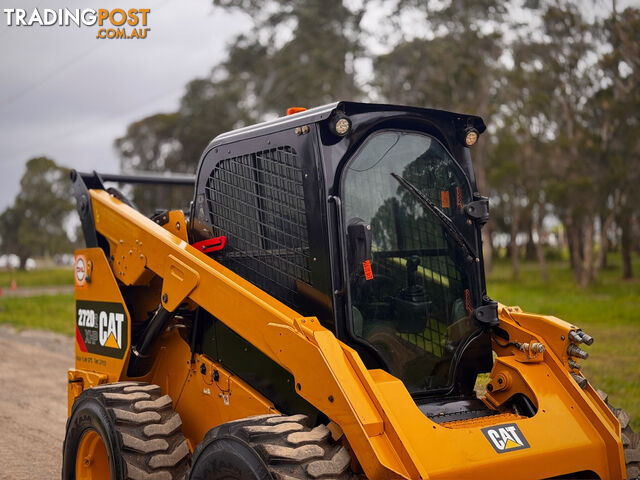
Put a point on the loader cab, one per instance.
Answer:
(367, 217)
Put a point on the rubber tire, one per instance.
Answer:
(630, 439)
(270, 447)
(138, 426)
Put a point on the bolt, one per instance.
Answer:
(86, 461)
(331, 398)
(575, 336)
(573, 364)
(490, 387)
(203, 369)
(575, 351)
(587, 339)
(580, 380)
(298, 386)
(500, 381)
(165, 298)
(537, 347)
(177, 225)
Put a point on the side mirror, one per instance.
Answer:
(359, 236)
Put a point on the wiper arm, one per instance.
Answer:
(444, 220)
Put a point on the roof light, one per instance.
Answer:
(340, 124)
(470, 137)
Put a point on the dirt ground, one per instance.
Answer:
(33, 402)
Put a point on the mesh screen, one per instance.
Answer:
(257, 202)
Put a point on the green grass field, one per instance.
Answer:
(36, 278)
(608, 310)
(49, 312)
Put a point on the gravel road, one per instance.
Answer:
(33, 402)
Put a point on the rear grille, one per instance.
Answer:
(481, 420)
(257, 202)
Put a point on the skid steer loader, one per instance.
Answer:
(320, 312)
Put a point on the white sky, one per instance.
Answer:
(68, 95)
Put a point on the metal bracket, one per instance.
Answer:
(478, 210)
(81, 187)
(487, 315)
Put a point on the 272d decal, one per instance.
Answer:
(101, 328)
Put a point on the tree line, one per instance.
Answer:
(555, 81)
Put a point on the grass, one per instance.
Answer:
(36, 278)
(609, 311)
(48, 312)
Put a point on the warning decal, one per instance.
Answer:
(101, 328)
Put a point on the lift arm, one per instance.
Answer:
(328, 374)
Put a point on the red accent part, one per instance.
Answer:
(467, 301)
(368, 273)
(80, 341)
(214, 244)
(459, 198)
(292, 110)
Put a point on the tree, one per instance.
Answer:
(34, 224)
(615, 119)
(453, 65)
(298, 54)
(558, 62)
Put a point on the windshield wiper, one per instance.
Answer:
(439, 214)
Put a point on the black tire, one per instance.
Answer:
(138, 426)
(630, 440)
(270, 447)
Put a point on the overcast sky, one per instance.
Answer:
(68, 95)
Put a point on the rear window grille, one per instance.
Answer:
(257, 202)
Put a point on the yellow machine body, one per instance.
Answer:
(390, 438)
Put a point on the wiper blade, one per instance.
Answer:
(439, 214)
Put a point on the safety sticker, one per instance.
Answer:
(81, 271)
(444, 198)
(505, 438)
(101, 328)
(366, 267)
